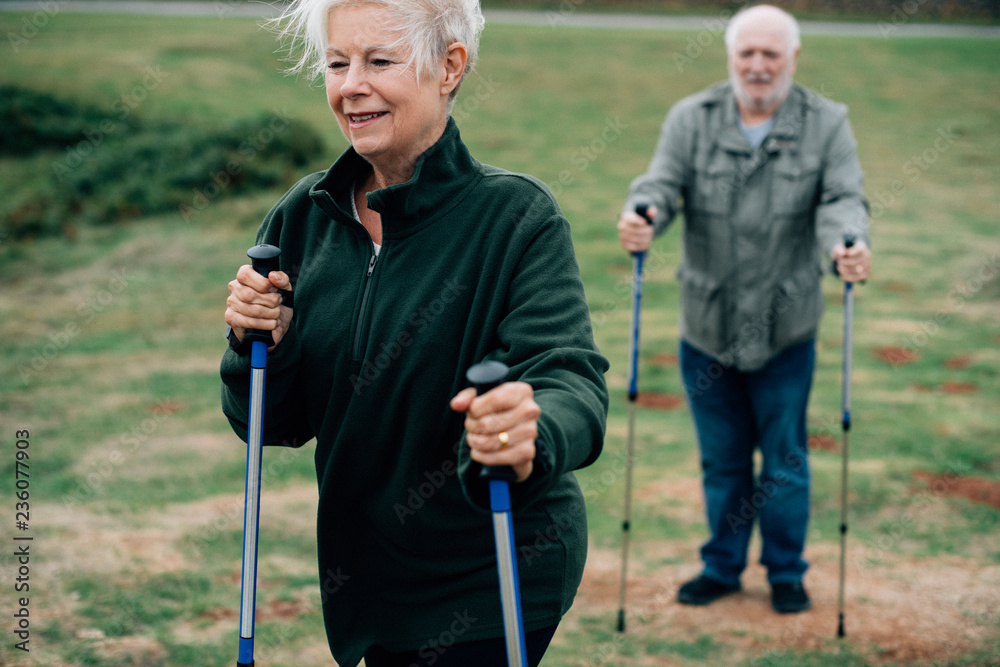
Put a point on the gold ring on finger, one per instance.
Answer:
(504, 439)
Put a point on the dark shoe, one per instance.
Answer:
(702, 590)
(789, 597)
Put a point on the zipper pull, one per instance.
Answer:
(371, 266)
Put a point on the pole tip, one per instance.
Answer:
(621, 620)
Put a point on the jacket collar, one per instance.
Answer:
(442, 177)
(784, 133)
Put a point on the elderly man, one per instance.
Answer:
(767, 176)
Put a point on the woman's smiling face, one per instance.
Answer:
(389, 112)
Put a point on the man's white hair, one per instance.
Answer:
(425, 27)
(781, 17)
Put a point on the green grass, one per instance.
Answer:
(113, 341)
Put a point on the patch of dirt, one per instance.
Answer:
(962, 361)
(824, 442)
(219, 614)
(897, 286)
(273, 610)
(157, 541)
(948, 387)
(951, 387)
(897, 356)
(680, 500)
(131, 651)
(664, 359)
(975, 489)
(894, 613)
(167, 408)
(659, 401)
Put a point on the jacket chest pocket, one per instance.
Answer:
(714, 182)
(796, 184)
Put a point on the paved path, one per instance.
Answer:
(566, 17)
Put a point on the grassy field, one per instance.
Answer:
(113, 340)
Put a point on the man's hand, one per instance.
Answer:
(854, 264)
(634, 231)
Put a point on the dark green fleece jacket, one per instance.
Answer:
(476, 263)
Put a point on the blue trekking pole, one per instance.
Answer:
(845, 403)
(485, 376)
(633, 393)
(264, 259)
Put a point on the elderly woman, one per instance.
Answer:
(409, 262)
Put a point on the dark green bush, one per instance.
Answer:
(103, 174)
(32, 121)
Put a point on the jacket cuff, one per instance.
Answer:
(522, 494)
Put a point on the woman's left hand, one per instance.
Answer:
(501, 425)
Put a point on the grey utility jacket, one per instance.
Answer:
(759, 224)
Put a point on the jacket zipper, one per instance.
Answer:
(364, 307)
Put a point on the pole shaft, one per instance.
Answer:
(510, 595)
(845, 405)
(484, 377)
(633, 394)
(264, 259)
(627, 519)
(251, 507)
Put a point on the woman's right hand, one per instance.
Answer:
(254, 303)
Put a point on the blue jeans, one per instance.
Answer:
(734, 413)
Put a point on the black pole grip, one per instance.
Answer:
(849, 240)
(642, 208)
(264, 259)
(485, 376)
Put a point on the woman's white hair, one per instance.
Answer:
(425, 27)
(791, 26)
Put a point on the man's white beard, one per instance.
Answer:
(782, 84)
